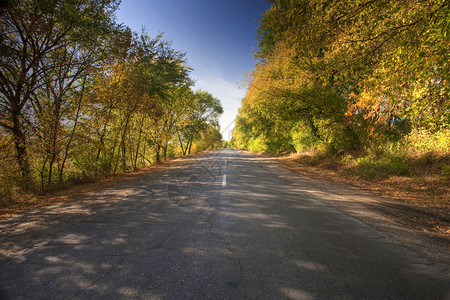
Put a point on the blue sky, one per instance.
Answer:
(218, 37)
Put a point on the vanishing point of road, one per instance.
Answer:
(221, 225)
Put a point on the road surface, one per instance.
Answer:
(223, 225)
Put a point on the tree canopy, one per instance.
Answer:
(341, 75)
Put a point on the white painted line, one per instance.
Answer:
(224, 179)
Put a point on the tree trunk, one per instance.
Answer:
(138, 143)
(181, 145)
(112, 159)
(55, 123)
(158, 158)
(102, 137)
(72, 134)
(123, 145)
(20, 143)
(41, 173)
(190, 145)
(313, 127)
(165, 152)
(52, 151)
(143, 155)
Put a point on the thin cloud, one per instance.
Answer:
(229, 94)
(221, 88)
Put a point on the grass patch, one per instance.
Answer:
(376, 169)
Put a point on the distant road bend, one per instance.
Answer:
(222, 225)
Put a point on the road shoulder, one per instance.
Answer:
(403, 222)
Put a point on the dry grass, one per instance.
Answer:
(425, 185)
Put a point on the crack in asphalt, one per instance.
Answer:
(218, 244)
(115, 266)
(211, 214)
(230, 248)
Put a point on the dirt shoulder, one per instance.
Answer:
(70, 193)
(413, 210)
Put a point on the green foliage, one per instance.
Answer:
(303, 139)
(388, 165)
(422, 140)
(47, 47)
(257, 144)
(200, 124)
(210, 138)
(445, 169)
(348, 75)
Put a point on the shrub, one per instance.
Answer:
(372, 168)
(445, 169)
(422, 140)
(303, 139)
(256, 144)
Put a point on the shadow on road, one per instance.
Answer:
(187, 233)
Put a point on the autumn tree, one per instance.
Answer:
(81, 96)
(32, 33)
(202, 117)
(344, 74)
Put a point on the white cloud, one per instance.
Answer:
(229, 94)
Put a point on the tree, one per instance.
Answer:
(81, 97)
(203, 116)
(344, 71)
(32, 32)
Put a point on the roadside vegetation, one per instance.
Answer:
(358, 87)
(82, 97)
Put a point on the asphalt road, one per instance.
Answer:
(220, 226)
